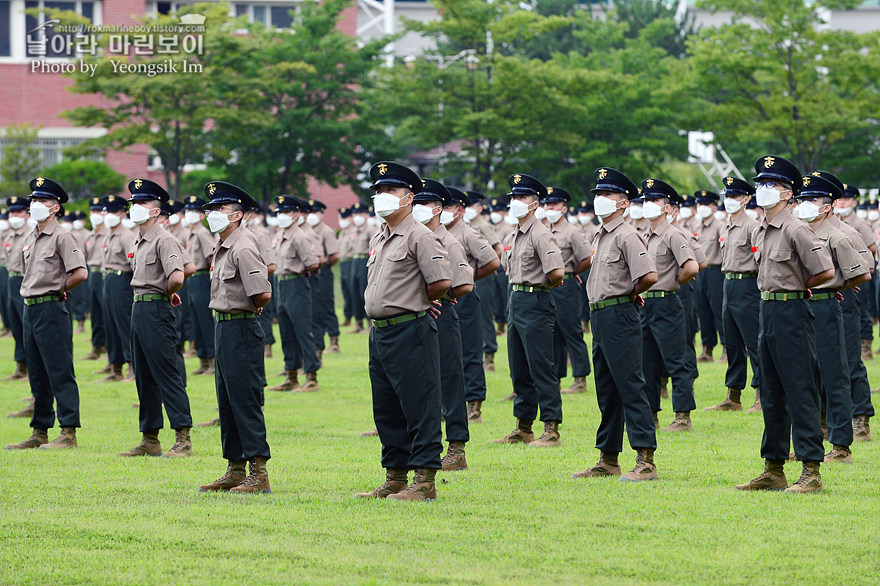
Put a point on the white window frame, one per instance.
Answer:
(18, 30)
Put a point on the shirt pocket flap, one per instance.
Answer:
(228, 273)
(612, 255)
(397, 254)
(151, 257)
(779, 254)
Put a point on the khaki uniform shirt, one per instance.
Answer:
(359, 239)
(14, 242)
(344, 242)
(848, 263)
(531, 253)
(669, 249)
(478, 250)
(736, 245)
(117, 245)
(486, 231)
(620, 258)
(573, 243)
(95, 248)
(237, 274)
(502, 229)
(296, 251)
(462, 272)
(328, 244)
(155, 255)
(590, 230)
(693, 242)
(47, 258)
(263, 241)
(400, 266)
(788, 253)
(854, 237)
(709, 234)
(200, 246)
(862, 227)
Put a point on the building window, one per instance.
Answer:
(274, 15)
(41, 39)
(52, 149)
(5, 29)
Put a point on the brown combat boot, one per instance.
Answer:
(20, 372)
(421, 489)
(290, 383)
(606, 466)
(733, 402)
(108, 368)
(80, 327)
(664, 387)
(521, 435)
(823, 423)
(810, 480)
(191, 353)
(706, 356)
(26, 412)
(149, 446)
(210, 369)
(756, 407)
(550, 437)
(723, 357)
(37, 439)
(862, 428)
(578, 386)
(257, 480)
(682, 422)
(455, 458)
(509, 397)
(268, 352)
(395, 481)
(66, 439)
(203, 364)
(866, 350)
(115, 374)
(235, 474)
(839, 454)
(474, 411)
(358, 326)
(182, 444)
(656, 421)
(645, 468)
(334, 345)
(772, 478)
(499, 328)
(311, 384)
(214, 422)
(489, 362)
(129, 374)
(94, 354)
(346, 323)
(371, 433)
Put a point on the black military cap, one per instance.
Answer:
(47, 189)
(68, 217)
(395, 174)
(752, 204)
(736, 186)
(16, 204)
(555, 194)
(497, 205)
(522, 184)
(176, 206)
(687, 202)
(317, 205)
(166, 208)
(114, 203)
(457, 197)
(146, 190)
(4, 214)
(433, 191)
(344, 212)
(585, 207)
(819, 186)
(873, 204)
(658, 189)
(608, 179)
(290, 203)
(773, 167)
(359, 208)
(96, 203)
(706, 197)
(221, 192)
(850, 191)
(193, 202)
(833, 179)
(475, 197)
(81, 215)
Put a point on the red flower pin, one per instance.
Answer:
(754, 249)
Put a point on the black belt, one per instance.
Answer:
(782, 296)
(738, 276)
(150, 297)
(530, 288)
(658, 294)
(223, 316)
(289, 277)
(610, 302)
(43, 299)
(398, 319)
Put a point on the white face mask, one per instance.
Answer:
(422, 213)
(863, 214)
(192, 217)
(359, 220)
(67, 226)
(720, 215)
(78, 224)
(495, 217)
(111, 220)
(127, 223)
(553, 215)
(17, 222)
(174, 219)
(670, 219)
(753, 214)
(518, 208)
(651, 210)
(767, 197)
(604, 206)
(873, 215)
(446, 218)
(218, 221)
(139, 214)
(704, 211)
(469, 214)
(378, 221)
(272, 221)
(385, 204)
(300, 221)
(686, 213)
(626, 212)
(636, 212)
(510, 220)
(39, 212)
(807, 211)
(843, 212)
(4, 225)
(255, 221)
(372, 221)
(313, 219)
(731, 205)
(284, 220)
(583, 219)
(540, 213)
(96, 219)
(573, 220)
(344, 223)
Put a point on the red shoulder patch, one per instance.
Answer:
(130, 254)
(754, 249)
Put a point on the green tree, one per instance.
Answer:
(20, 160)
(84, 178)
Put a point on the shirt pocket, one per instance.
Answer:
(47, 263)
(779, 258)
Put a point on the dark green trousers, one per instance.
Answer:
(454, 405)
(96, 306)
(295, 324)
(789, 381)
(741, 301)
(568, 332)
(502, 292)
(686, 293)
(345, 286)
(238, 351)
(16, 316)
(620, 382)
(4, 295)
(860, 388)
(664, 348)
(708, 293)
(118, 299)
(834, 370)
(197, 299)
(324, 317)
(48, 346)
(358, 287)
(470, 314)
(487, 324)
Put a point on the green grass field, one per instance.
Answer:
(87, 516)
